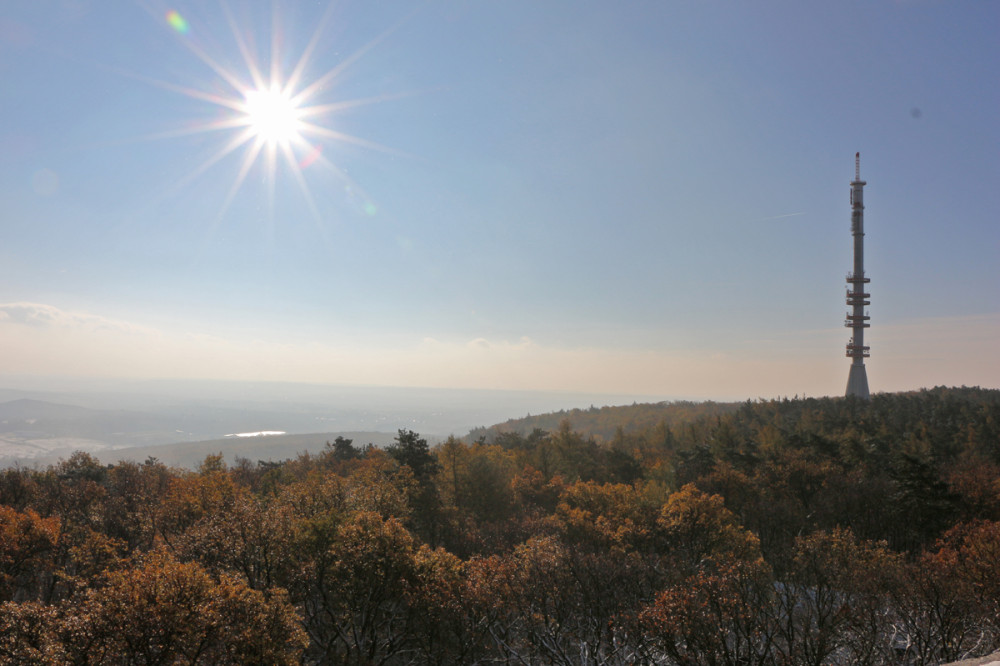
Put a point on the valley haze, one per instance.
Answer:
(179, 422)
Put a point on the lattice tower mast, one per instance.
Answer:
(857, 318)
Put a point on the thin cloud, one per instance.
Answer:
(524, 343)
(42, 315)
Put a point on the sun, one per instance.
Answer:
(272, 117)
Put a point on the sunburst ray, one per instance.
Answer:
(279, 123)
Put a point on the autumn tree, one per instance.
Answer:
(130, 507)
(832, 601)
(190, 498)
(442, 630)
(29, 634)
(696, 528)
(27, 549)
(720, 616)
(601, 516)
(354, 599)
(158, 612)
(18, 487)
(476, 479)
(380, 485)
(74, 490)
(947, 608)
(253, 538)
(412, 451)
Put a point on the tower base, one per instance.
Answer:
(857, 382)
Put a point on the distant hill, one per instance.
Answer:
(26, 411)
(31, 429)
(37, 432)
(271, 448)
(41, 432)
(602, 422)
(47, 420)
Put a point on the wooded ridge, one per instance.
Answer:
(804, 531)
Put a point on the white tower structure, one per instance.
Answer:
(857, 298)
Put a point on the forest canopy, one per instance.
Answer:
(805, 531)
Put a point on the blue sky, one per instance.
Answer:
(639, 197)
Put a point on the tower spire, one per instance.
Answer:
(857, 298)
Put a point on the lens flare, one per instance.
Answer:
(177, 22)
(311, 156)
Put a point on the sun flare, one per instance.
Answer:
(272, 116)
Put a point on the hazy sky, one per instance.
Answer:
(644, 197)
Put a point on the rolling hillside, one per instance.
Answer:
(601, 423)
